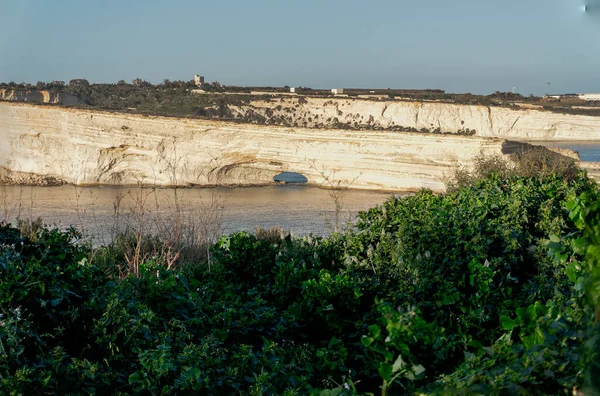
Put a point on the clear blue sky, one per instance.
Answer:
(458, 45)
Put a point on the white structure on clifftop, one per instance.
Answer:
(198, 80)
(591, 97)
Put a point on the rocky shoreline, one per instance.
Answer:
(9, 177)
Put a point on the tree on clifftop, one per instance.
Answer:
(78, 82)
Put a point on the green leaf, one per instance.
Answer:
(475, 344)
(540, 310)
(572, 271)
(418, 369)
(489, 363)
(580, 245)
(375, 331)
(572, 203)
(508, 324)
(556, 247)
(398, 364)
(367, 341)
(136, 378)
(385, 371)
(448, 299)
(329, 392)
(536, 338)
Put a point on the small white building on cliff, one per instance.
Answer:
(198, 80)
(590, 97)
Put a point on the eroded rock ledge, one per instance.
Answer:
(425, 117)
(92, 147)
(8, 176)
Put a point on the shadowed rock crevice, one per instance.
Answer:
(514, 147)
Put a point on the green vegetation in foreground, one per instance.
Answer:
(489, 289)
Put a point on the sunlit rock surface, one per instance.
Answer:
(91, 147)
(518, 124)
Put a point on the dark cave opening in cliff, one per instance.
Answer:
(290, 178)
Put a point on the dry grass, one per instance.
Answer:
(336, 189)
(536, 162)
(159, 225)
(30, 229)
(273, 235)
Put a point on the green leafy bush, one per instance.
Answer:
(491, 288)
(467, 258)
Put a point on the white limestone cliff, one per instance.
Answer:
(518, 124)
(92, 147)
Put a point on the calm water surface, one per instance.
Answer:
(300, 209)
(588, 151)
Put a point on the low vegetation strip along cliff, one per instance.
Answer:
(484, 117)
(91, 147)
(488, 121)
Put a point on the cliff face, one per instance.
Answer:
(43, 96)
(88, 147)
(525, 123)
(520, 124)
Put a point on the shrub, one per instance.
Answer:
(535, 162)
(481, 290)
(467, 258)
